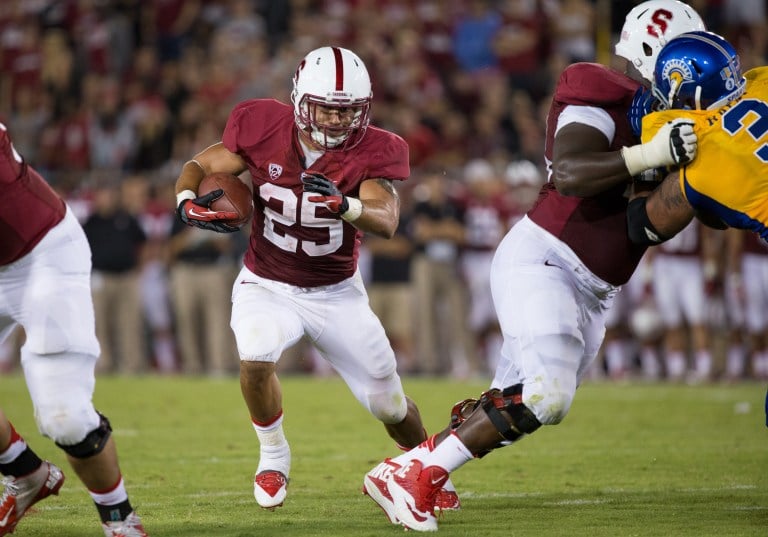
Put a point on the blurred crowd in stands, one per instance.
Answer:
(107, 98)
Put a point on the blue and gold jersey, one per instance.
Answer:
(729, 176)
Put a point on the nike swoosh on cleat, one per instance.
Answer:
(4, 521)
(436, 481)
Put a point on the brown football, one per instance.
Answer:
(237, 196)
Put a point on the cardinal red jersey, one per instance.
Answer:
(28, 205)
(595, 228)
(294, 240)
(485, 221)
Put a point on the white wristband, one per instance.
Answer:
(184, 195)
(354, 211)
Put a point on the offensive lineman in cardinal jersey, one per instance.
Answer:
(321, 176)
(556, 271)
(45, 286)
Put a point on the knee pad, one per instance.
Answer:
(61, 388)
(387, 402)
(258, 338)
(553, 406)
(93, 443)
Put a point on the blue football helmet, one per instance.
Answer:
(699, 71)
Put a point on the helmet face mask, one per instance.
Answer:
(698, 71)
(649, 26)
(332, 98)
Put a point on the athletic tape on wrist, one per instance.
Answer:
(354, 211)
(184, 195)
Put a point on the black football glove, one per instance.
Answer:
(329, 193)
(197, 212)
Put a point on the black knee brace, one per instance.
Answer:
(520, 419)
(93, 443)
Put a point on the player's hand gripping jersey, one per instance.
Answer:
(729, 177)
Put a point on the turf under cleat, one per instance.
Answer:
(130, 527)
(375, 486)
(269, 488)
(21, 493)
(414, 489)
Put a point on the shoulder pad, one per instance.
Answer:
(386, 153)
(260, 107)
(592, 84)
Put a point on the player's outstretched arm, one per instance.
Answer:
(583, 163)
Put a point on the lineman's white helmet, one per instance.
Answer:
(649, 26)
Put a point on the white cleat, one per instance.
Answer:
(413, 489)
(23, 492)
(375, 486)
(270, 489)
(130, 527)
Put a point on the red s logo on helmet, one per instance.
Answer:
(660, 19)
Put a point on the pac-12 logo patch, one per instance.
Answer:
(275, 171)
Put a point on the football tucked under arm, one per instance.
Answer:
(223, 203)
(197, 212)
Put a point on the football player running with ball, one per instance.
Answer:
(45, 286)
(321, 177)
(556, 272)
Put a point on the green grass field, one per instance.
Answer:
(629, 460)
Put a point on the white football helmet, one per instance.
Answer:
(649, 26)
(337, 78)
(645, 321)
(523, 173)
